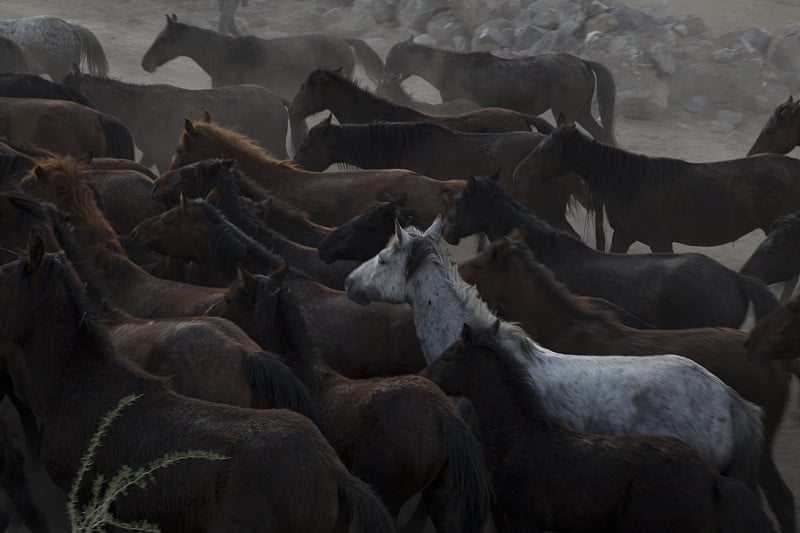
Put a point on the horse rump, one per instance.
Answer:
(119, 141)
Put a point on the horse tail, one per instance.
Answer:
(467, 472)
(358, 503)
(299, 131)
(764, 302)
(119, 141)
(747, 441)
(368, 58)
(541, 125)
(270, 379)
(606, 98)
(91, 51)
(737, 509)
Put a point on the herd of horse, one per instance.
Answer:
(541, 385)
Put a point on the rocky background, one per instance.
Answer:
(664, 66)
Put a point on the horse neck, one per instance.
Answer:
(427, 62)
(442, 303)
(264, 173)
(209, 49)
(352, 104)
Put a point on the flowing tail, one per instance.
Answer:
(119, 141)
(606, 98)
(91, 51)
(764, 302)
(468, 476)
(273, 383)
(738, 510)
(541, 125)
(748, 438)
(369, 59)
(357, 503)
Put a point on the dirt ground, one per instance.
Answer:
(127, 27)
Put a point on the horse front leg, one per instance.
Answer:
(661, 247)
(788, 288)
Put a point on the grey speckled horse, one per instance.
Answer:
(55, 45)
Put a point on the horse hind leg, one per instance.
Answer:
(777, 493)
(588, 121)
(788, 288)
(620, 242)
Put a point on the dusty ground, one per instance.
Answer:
(127, 27)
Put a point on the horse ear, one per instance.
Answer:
(214, 195)
(174, 17)
(206, 116)
(247, 280)
(35, 252)
(466, 334)
(435, 230)
(280, 272)
(170, 22)
(562, 119)
(518, 234)
(188, 127)
(496, 327)
(327, 122)
(402, 235)
(338, 70)
(41, 175)
(186, 205)
(500, 247)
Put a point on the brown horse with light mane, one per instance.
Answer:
(329, 198)
(523, 290)
(128, 286)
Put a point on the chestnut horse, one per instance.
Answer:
(781, 131)
(329, 198)
(128, 286)
(546, 476)
(400, 433)
(777, 335)
(509, 278)
(64, 127)
(67, 365)
(352, 104)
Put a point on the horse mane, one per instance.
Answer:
(288, 209)
(74, 195)
(401, 111)
(238, 143)
(538, 234)
(381, 144)
(612, 173)
(516, 378)
(548, 283)
(29, 150)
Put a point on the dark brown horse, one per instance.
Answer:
(545, 475)
(401, 433)
(390, 87)
(777, 335)
(93, 240)
(563, 83)
(207, 358)
(280, 64)
(17, 85)
(781, 132)
(329, 198)
(658, 201)
(777, 258)
(64, 127)
(510, 279)
(344, 343)
(195, 230)
(71, 377)
(670, 291)
(155, 113)
(352, 104)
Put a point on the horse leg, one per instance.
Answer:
(418, 520)
(788, 288)
(443, 502)
(777, 493)
(620, 242)
(661, 247)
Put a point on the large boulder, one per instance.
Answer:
(753, 39)
(722, 86)
(382, 11)
(641, 95)
(416, 13)
(555, 41)
(603, 23)
(784, 55)
(632, 19)
(473, 13)
(492, 35)
(553, 14)
(446, 29)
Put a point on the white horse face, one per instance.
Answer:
(383, 278)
